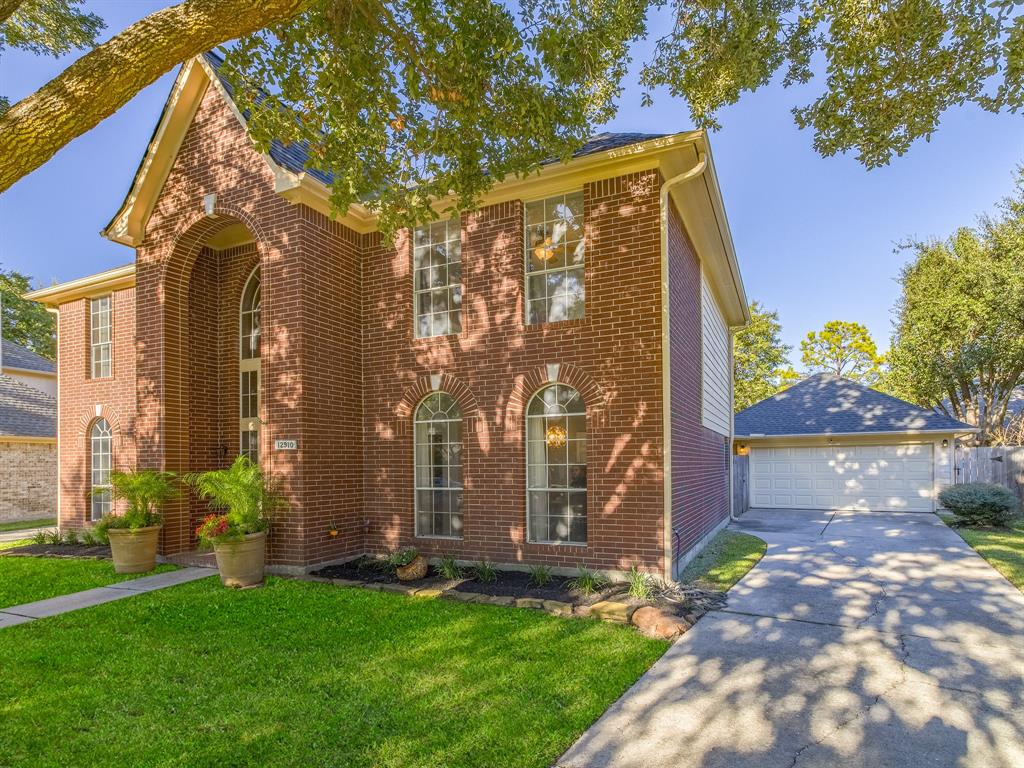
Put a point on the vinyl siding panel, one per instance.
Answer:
(715, 400)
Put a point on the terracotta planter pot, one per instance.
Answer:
(241, 562)
(417, 569)
(134, 551)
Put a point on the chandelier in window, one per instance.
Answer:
(555, 436)
(545, 251)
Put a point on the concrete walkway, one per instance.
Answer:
(20, 614)
(25, 533)
(871, 639)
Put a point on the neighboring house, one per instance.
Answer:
(28, 434)
(545, 380)
(830, 443)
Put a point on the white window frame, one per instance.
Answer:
(556, 411)
(248, 422)
(455, 289)
(98, 307)
(577, 257)
(450, 490)
(101, 444)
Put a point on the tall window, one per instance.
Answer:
(438, 448)
(556, 460)
(101, 341)
(249, 368)
(102, 458)
(437, 278)
(555, 249)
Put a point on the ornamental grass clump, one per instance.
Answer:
(640, 585)
(587, 582)
(243, 492)
(985, 504)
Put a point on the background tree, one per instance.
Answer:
(759, 357)
(25, 322)
(958, 343)
(433, 95)
(845, 349)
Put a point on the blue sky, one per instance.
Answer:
(815, 236)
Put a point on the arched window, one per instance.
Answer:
(556, 461)
(101, 451)
(249, 368)
(438, 449)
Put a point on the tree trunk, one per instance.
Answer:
(106, 78)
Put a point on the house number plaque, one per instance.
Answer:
(286, 445)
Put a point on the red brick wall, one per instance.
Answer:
(700, 483)
(498, 362)
(80, 396)
(342, 372)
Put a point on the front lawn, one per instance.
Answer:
(724, 561)
(27, 579)
(1002, 547)
(24, 525)
(303, 674)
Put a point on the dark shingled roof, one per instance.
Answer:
(25, 411)
(17, 356)
(825, 404)
(294, 156)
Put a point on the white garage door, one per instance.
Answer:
(895, 478)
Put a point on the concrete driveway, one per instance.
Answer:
(863, 639)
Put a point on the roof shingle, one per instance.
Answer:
(827, 404)
(26, 411)
(17, 356)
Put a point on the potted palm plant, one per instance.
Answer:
(134, 534)
(239, 534)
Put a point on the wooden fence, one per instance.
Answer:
(992, 464)
(740, 484)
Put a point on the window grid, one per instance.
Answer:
(556, 451)
(102, 459)
(437, 278)
(555, 254)
(101, 343)
(438, 467)
(250, 333)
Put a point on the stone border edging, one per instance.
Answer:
(648, 619)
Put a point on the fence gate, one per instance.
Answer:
(1003, 465)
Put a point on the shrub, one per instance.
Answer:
(540, 575)
(980, 503)
(447, 568)
(640, 586)
(89, 537)
(402, 557)
(71, 536)
(587, 582)
(53, 537)
(244, 492)
(145, 491)
(484, 572)
(40, 537)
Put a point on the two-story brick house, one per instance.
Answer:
(545, 380)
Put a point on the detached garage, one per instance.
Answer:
(829, 443)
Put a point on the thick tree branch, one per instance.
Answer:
(7, 9)
(106, 78)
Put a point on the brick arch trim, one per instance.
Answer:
(437, 382)
(88, 418)
(558, 373)
(194, 231)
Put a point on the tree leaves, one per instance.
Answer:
(844, 349)
(759, 357)
(25, 322)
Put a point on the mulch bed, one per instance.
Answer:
(371, 570)
(59, 550)
(517, 584)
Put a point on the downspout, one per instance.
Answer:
(732, 426)
(666, 358)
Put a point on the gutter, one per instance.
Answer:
(666, 368)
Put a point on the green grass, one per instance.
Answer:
(725, 560)
(304, 674)
(43, 522)
(27, 579)
(1002, 547)
(12, 544)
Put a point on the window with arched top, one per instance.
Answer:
(556, 466)
(101, 452)
(249, 368)
(437, 439)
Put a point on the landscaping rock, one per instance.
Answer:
(654, 622)
(346, 582)
(557, 608)
(402, 589)
(530, 602)
(428, 592)
(505, 600)
(609, 610)
(462, 597)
